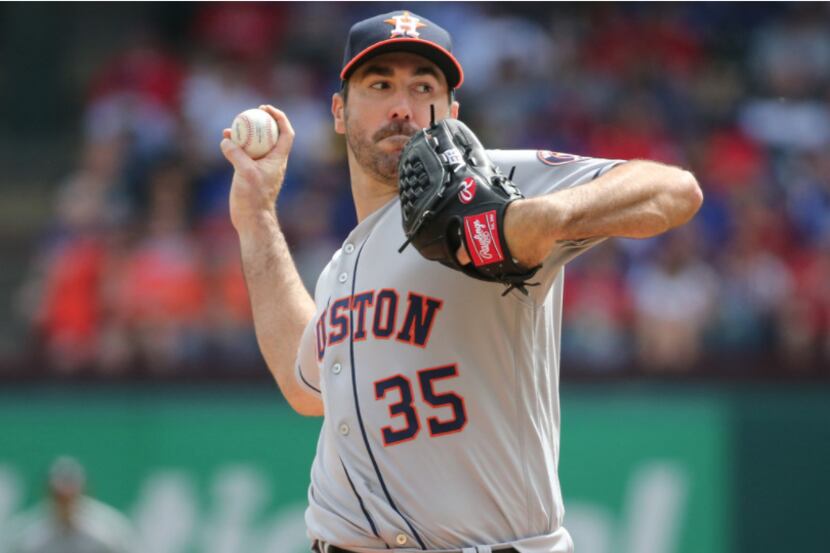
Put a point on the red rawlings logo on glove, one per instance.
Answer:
(481, 232)
(468, 192)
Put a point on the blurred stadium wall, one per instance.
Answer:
(644, 468)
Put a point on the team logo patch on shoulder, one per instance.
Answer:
(405, 25)
(549, 157)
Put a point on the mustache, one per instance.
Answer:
(395, 128)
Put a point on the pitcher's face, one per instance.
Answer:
(388, 100)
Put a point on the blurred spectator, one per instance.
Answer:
(314, 243)
(808, 196)
(674, 299)
(229, 71)
(634, 130)
(597, 312)
(136, 96)
(70, 312)
(294, 88)
(790, 59)
(787, 123)
(731, 162)
(63, 295)
(805, 322)
(246, 31)
(790, 55)
(755, 286)
(485, 59)
(69, 521)
(230, 340)
(214, 91)
(157, 287)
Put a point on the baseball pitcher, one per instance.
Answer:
(431, 345)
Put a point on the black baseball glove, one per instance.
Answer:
(453, 194)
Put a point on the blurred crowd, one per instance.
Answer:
(139, 269)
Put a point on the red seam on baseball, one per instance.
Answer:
(250, 131)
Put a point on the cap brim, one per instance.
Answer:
(433, 52)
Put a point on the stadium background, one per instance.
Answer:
(696, 405)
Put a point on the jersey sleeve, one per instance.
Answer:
(540, 172)
(306, 367)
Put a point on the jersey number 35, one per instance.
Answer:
(406, 406)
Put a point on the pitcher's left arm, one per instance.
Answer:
(636, 199)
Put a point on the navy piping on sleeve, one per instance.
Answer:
(360, 417)
(362, 506)
(302, 377)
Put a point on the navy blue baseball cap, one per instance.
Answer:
(401, 31)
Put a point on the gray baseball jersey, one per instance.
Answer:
(441, 428)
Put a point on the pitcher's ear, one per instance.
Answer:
(338, 108)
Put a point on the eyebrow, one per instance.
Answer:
(427, 70)
(386, 71)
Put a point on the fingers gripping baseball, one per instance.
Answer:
(239, 158)
(286, 136)
(257, 182)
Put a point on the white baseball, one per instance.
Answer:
(255, 131)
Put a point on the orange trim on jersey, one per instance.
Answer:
(361, 333)
(392, 415)
(424, 311)
(461, 398)
(391, 319)
(343, 322)
(321, 335)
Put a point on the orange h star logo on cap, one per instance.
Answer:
(405, 25)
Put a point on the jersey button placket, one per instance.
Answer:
(343, 277)
(344, 429)
(348, 248)
(336, 368)
(401, 539)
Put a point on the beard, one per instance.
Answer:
(382, 165)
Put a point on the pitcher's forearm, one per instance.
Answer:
(636, 200)
(281, 306)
